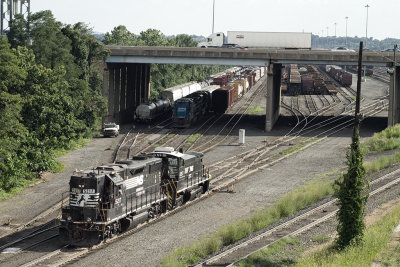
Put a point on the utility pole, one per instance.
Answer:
(213, 16)
(394, 80)
(366, 38)
(335, 28)
(346, 18)
(334, 42)
(366, 27)
(358, 96)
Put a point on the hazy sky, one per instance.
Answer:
(195, 16)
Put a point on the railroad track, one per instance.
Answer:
(311, 105)
(239, 166)
(135, 140)
(206, 144)
(293, 227)
(63, 255)
(30, 239)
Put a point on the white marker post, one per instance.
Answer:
(242, 135)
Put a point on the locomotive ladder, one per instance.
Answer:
(171, 196)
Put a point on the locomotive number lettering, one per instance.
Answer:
(75, 190)
(88, 191)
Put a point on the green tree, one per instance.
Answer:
(85, 48)
(18, 35)
(352, 196)
(119, 36)
(184, 40)
(11, 75)
(51, 47)
(49, 93)
(151, 37)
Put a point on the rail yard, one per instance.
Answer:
(310, 139)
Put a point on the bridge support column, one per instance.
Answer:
(273, 95)
(125, 86)
(394, 98)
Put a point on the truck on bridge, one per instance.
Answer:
(246, 39)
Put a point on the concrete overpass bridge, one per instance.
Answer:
(127, 76)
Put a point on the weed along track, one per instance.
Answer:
(293, 227)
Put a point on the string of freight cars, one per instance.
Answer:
(192, 101)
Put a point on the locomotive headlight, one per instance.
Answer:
(69, 218)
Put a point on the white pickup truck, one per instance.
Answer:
(110, 129)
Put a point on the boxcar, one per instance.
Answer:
(223, 98)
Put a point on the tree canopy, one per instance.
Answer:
(50, 80)
(162, 75)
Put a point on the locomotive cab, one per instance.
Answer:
(183, 174)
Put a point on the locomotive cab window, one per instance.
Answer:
(173, 166)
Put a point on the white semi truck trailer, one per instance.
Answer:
(277, 40)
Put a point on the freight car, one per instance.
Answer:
(341, 76)
(223, 98)
(307, 84)
(294, 82)
(151, 110)
(179, 91)
(368, 70)
(112, 198)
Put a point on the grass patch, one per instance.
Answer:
(18, 189)
(165, 139)
(320, 238)
(255, 110)
(390, 256)
(381, 163)
(294, 201)
(385, 140)
(291, 149)
(375, 240)
(72, 145)
(192, 139)
(268, 257)
(55, 167)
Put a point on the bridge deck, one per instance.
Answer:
(254, 57)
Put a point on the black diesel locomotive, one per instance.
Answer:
(113, 198)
